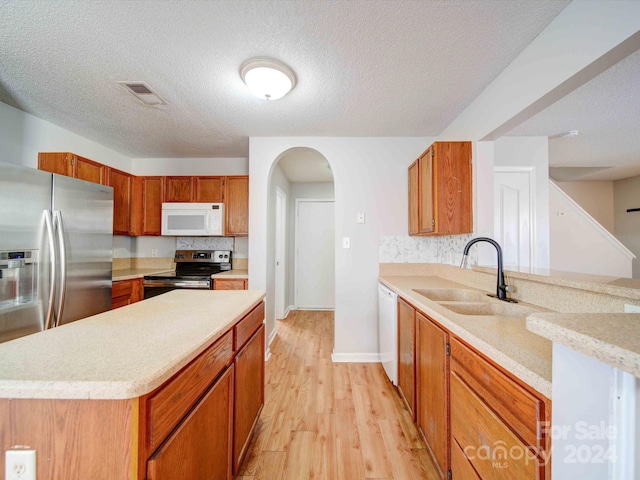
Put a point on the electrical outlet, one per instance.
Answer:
(631, 308)
(360, 217)
(20, 464)
(115, 253)
(154, 252)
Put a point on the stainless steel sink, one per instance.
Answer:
(452, 295)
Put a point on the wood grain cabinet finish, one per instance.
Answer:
(200, 447)
(440, 198)
(122, 188)
(236, 205)
(407, 355)
(432, 386)
(491, 408)
(72, 165)
(126, 292)
(179, 189)
(209, 189)
(249, 394)
(229, 284)
(146, 210)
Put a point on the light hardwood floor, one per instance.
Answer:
(333, 421)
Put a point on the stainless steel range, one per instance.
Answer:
(193, 270)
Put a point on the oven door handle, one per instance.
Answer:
(165, 284)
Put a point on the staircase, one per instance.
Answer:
(578, 243)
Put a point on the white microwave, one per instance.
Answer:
(193, 219)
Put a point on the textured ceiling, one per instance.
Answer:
(364, 68)
(606, 111)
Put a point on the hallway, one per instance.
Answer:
(330, 420)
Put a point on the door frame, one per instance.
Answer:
(281, 254)
(530, 171)
(295, 256)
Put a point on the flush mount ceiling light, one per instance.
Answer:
(267, 78)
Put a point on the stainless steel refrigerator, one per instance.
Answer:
(56, 249)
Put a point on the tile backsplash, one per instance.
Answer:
(440, 249)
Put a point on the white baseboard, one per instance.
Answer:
(355, 357)
(267, 355)
(272, 336)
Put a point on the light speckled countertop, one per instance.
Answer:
(612, 338)
(122, 353)
(133, 273)
(233, 274)
(505, 340)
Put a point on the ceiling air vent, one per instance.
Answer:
(143, 93)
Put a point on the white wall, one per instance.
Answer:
(190, 166)
(595, 197)
(578, 244)
(530, 152)
(22, 136)
(370, 175)
(627, 225)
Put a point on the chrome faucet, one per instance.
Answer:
(502, 288)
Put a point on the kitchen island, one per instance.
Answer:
(164, 388)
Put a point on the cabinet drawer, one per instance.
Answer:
(229, 284)
(121, 289)
(491, 447)
(460, 465)
(518, 407)
(167, 406)
(246, 327)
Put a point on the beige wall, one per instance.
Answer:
(627, 225)
(595, 197)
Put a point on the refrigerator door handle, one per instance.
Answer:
(48, 221)
(62, 257)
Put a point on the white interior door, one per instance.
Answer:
(315, 254)
(281, 252)
(514, 225)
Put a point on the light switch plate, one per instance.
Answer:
(360, 217)
(346, 242)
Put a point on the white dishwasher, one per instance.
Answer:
(388, 331)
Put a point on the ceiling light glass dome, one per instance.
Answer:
(267, 79)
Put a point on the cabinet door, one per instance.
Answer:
(432, 398)
(236, 205)
(200, 448)
(88, 170)
(121, 293)
(413, 199)
(209, 189)
(453, 178)
(407, 354)
(229, 284)
(121, 183)
(249, 394)
(426, 195)
(56, 162)
(178, 189)
(151, 205)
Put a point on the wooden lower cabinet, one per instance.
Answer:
(249, 394)
(200, 448)
(126, 292)
(229, 284)
(407, 355)
(432, 390)
(196, 425)
(479, 421)
(497, 421)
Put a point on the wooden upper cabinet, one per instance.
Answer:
(443, 195)
(236, 205)
(121, 183)
(179, 189)
(146, 206)
(209, 189)
(413, 199)
(71, 165)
